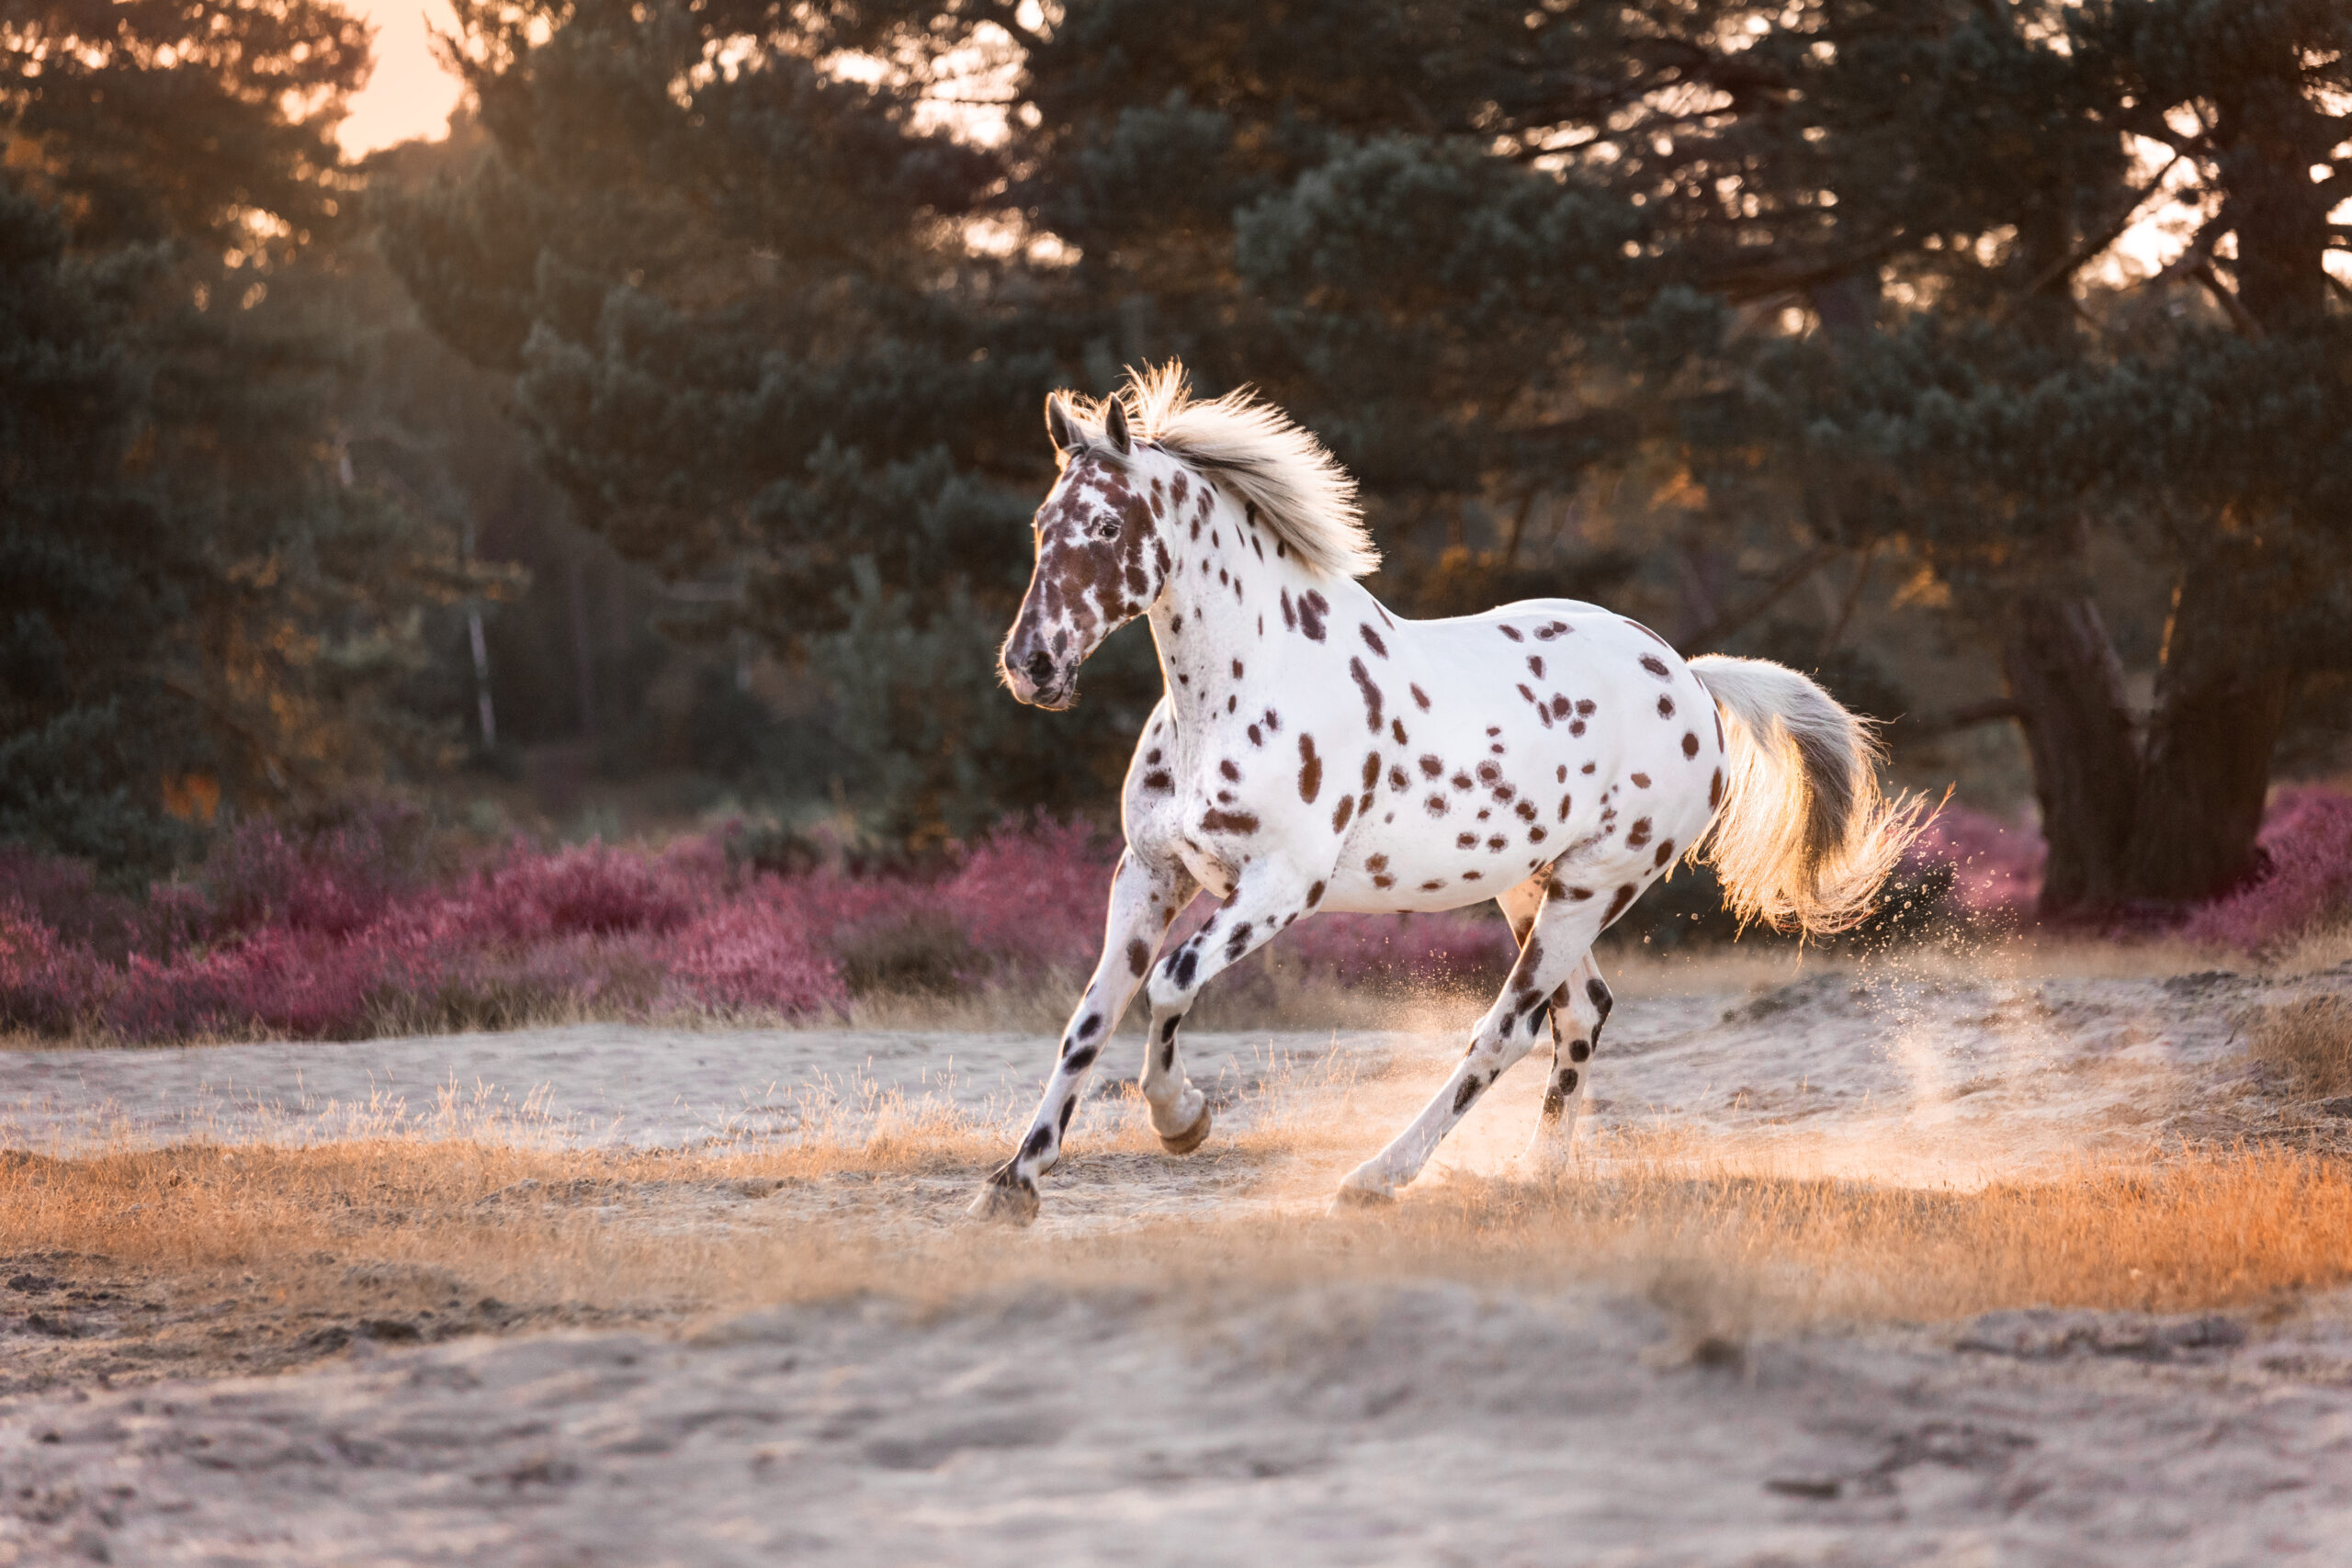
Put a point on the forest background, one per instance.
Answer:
(656, 447)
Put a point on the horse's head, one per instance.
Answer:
(1101, 559)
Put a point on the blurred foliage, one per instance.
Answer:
(200, 611)
(729, 325)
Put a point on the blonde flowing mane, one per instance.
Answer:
(1252, 448)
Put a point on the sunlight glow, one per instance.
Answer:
(407, 95)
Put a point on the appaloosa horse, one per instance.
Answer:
(1314, 752)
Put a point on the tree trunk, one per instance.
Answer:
(2063, 673)
(2221, 700)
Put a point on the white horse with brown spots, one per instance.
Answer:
(1314, 752)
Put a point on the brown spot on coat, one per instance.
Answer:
(1214, 821)
(1665, 707)
(1665, 852)
(1312, 608)
(1138, 956)
(1617, 902)
(1656, 666)
(1535, 665)
(1372, 639)
(1715, 790)
(1340, 814)
(1420, 698)
(1371, 694)
(1641, 781)
(1638, 834)
(1511, 632)
(1310, 769)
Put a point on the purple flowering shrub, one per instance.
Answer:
(349, 932)
(1995, 865)
(359, 930)
(2304, 880)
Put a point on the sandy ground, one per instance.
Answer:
(1410, 1420)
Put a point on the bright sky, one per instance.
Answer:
(409, 95)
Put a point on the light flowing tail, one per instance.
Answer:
(1805, 838)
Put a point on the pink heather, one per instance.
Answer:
(355, 931)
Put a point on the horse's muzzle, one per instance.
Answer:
(1040, 681)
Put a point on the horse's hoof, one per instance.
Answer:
(1005, 1203)
(1356, 1199)
(1191, 1138)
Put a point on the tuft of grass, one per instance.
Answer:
(2307, 1043)
(869, 1204)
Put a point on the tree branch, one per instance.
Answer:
(1966, 716)
(1740, 614)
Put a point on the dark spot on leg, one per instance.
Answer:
(1138, 956)
(1238, 944)
(1598, 994)
(1080, 1058)
(1168, 1030)
(1470, 1090)
(1068, 1106)
(1188, 963)
(1089, 1026)
(1040, 1139)
(1578, 1050)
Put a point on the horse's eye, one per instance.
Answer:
(1107, 529)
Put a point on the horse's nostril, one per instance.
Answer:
(1041, 667)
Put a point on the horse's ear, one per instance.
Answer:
(1060, 426)
(1114, 427)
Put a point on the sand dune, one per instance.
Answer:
(1407, 1411)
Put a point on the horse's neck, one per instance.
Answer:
(1203, 626)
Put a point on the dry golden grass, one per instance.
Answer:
(2307, 1042)
(671, 1235)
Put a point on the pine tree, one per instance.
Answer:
(196, 610)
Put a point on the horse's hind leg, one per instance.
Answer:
(1553, 950)
(1579, 1009)
(1143, 899)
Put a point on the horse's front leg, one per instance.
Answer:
(1143, 899)
(1269, 895)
